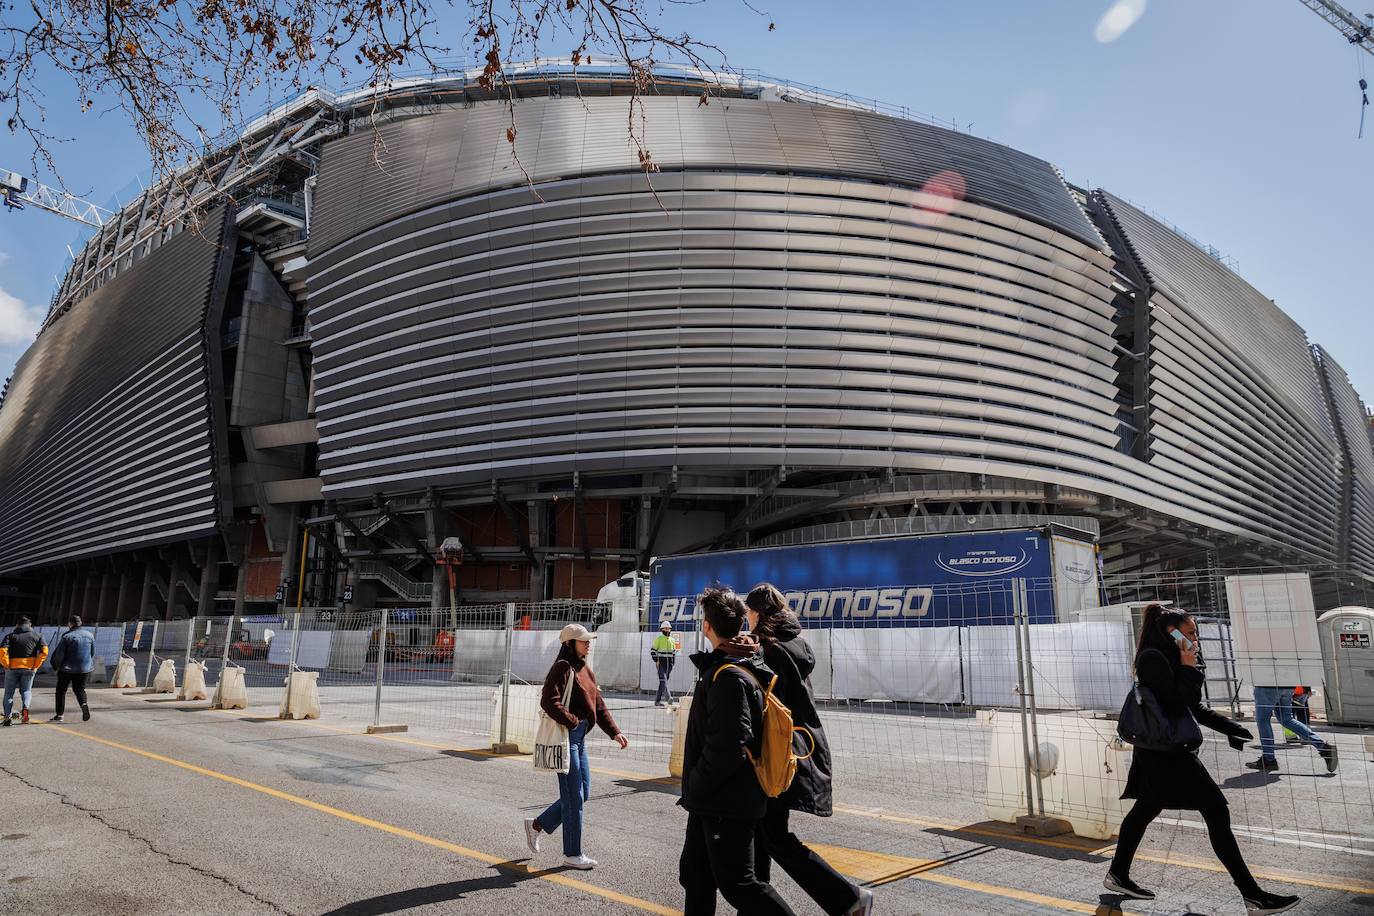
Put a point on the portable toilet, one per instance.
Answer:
(1347, 640)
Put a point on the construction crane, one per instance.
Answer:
(1360, 34)
(17, 190)
(1347, 23)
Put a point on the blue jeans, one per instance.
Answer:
(1271, 700)
(574, 788)
(22, 680)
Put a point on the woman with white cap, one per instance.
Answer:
(572, 698)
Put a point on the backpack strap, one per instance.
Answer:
(752, 676)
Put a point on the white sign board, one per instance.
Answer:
(1075, 577)
(1274, 625)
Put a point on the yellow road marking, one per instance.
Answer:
(882, 868)
(647, 906)
(1325, 882)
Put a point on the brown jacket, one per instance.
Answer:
(585, 704)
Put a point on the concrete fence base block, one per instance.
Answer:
(387, 729)
(230, 692)
(165, 681)
(193, 683)
(1042, 825)
(98, 673)
(679, 745)
(302, 700)
(124, 673)
(522, 718)
(510, 747)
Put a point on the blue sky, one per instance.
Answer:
(1234, 121)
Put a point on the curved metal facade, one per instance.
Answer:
(107, 438)
(1357, 448)
(1237, 412)
(783, 295)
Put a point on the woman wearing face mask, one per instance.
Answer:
(1166, 662)
(583, 707)
(788, 656)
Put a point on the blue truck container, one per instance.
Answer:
(926, 581)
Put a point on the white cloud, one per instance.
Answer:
(18, 322)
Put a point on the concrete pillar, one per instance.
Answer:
(538, 573)
(438, 592)
(102, 604)
(241, 586)
(90, 594)
(173, 585)
(209, 578)
(146, 597)
(70, 605)
(122, 598)
(291, 562)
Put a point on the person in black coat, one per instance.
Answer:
(1167, 663)
(791, 659)
(720, 790)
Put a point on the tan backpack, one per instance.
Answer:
(776, 764)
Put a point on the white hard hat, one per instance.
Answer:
(575, 631)
(666, 625)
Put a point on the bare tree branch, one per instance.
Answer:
(183, 73)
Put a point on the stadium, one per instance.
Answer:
(375, 323)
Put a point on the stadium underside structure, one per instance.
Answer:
(375, 323)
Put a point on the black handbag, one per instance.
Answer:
(1144, 724)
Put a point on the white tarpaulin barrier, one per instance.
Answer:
(990, 665)
(1081, 665)
(1077, 665)
(913, 664)
(348, 650)
(312, 649)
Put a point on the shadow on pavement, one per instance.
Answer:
(508, 875)
(1256, 780)
(995, 833)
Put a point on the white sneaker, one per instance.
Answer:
(582, 863)
(865, 905)
(532, 835)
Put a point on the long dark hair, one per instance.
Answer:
(1154, 629)
(768, 601)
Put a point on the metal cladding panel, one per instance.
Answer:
(1272, 344)
(1212, 424)
(1353, 423)
(717, 318)
(106, 437)
(371, 177)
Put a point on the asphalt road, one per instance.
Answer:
(164, 807)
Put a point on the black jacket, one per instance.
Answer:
(717, 778)
(787, 653)
(1175, 779)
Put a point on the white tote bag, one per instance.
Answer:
(551, 741)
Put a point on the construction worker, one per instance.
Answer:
(664, 653)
